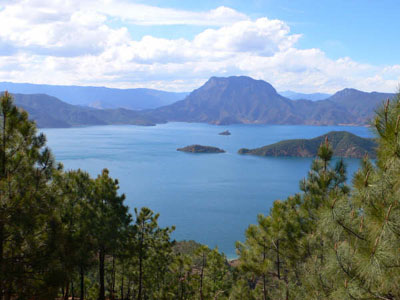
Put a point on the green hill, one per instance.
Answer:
(344, 144)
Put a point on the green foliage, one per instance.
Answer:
(364, 227)
(336, 242)
(285, 249)
(66, 234)
(28, 225)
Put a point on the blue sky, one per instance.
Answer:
(302, 45)
(364, 30)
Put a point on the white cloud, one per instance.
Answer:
(141, 14)
(63, 32)
(71, 42)
(262, 36)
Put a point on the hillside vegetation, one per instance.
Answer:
(65, 235)
(343, 143)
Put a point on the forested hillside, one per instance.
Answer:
(344, 144)
(64, 234)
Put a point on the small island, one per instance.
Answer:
(201, 149)
(226, 132)
(344, 144)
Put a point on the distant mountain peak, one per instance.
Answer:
(235, 77)
(349, 91)
(237, 82)
(356, 94)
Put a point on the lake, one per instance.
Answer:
(210, 198)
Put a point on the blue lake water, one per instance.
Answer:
(210, 198)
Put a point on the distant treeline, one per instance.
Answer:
(64, 234)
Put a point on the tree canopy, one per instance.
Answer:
(65, 234)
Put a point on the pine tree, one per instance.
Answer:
(152, 252)
(323, 184)
(76, 245)
(109, 219)
(181, 280)
(364, 227)
(254, 254)
(27, 223)
(286, 249)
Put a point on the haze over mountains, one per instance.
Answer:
(302, 96)
(51, 112)
(221, 100)
(98, 97)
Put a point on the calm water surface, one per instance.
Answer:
(211, 198)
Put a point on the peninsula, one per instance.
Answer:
(344, 144)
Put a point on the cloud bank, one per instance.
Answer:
(73, 42)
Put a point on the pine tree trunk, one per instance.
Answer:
(113, 279)
(2, 271)
(139, 297)
(278, 262)
(128, 293)
(101, 275)
(264, 279)
(2, 233)
(82, 284)
(122, 284)
(8, 294)
(72, 290)
(66, 291)
(287, 288)
(182, 289)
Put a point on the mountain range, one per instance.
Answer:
(98, 97)
(48, 111)
(221, 100)
(241, 99)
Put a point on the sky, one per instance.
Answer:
(177, 45)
